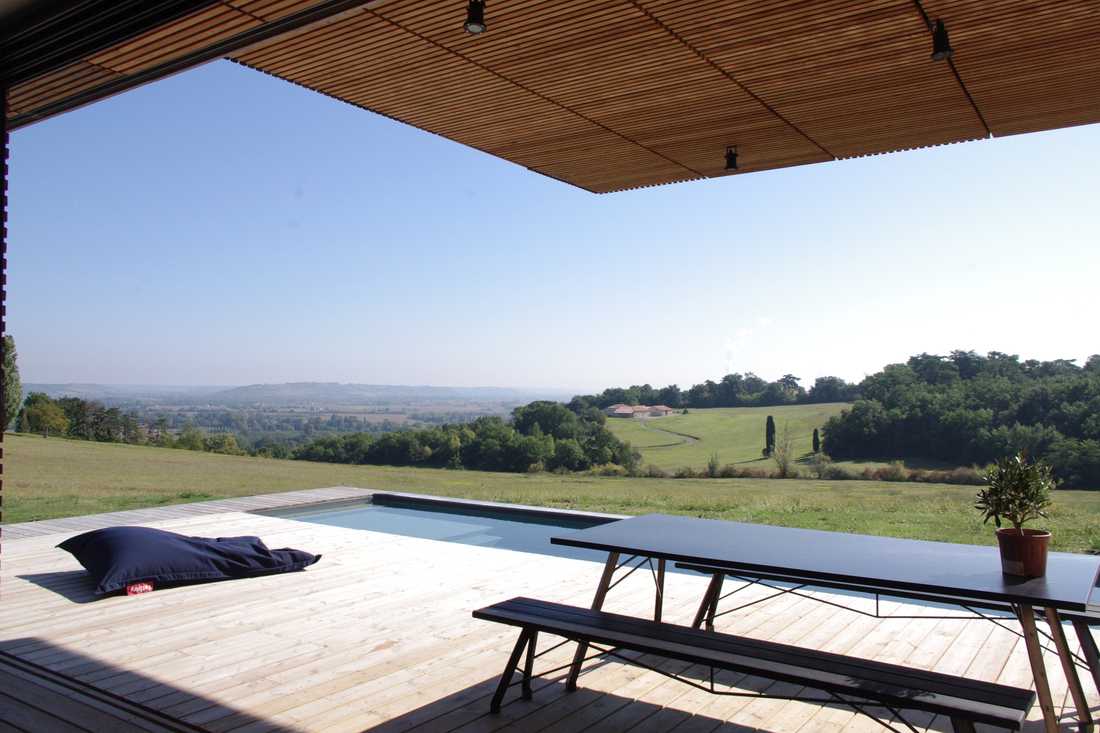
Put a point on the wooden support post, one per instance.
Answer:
(1068, 666)
(597, 603)
(529, 665)
(509, 670)
(3, 249)
(1088, 648)
(705, 604)
(660, 598)
(1038, 670)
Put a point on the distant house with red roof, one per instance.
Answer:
(620, 410)
(623, 410)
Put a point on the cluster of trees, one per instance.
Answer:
(540, 436)
(269, 434)
(76, 418)
(732, 390)
(971, 409)
(72, 417)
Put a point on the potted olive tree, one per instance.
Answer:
(1018, 491)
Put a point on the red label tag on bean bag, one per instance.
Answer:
(136, 588)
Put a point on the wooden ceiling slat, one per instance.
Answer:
(1029, 66)
(271, 9)
(617, 94)
(197, 30)
(59, 84)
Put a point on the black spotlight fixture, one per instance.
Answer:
(941, 47)
(475, 17)
(731, 159)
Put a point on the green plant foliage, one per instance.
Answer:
(13, 388)
(967, 409)
(1018, 491)
(541, 436)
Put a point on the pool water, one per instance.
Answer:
(504, 529)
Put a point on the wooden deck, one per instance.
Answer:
(378, 637)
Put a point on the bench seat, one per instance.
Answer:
(965, 701)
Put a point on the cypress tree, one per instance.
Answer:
(817, 442)
(13, 389)
(769, 436)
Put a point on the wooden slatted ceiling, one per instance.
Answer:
(856, 77)
(1029, 65)
(373, 61)
(616, 94)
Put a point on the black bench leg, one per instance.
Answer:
(509, 670)
(1088, 647)
(961, 725)
(529, 665)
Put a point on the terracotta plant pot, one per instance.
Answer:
(1023, 552)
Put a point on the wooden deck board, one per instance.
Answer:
(378, 636)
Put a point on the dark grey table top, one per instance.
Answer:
(883, 563)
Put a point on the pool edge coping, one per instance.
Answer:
(401, 498)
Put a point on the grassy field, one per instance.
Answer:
(736, 434)
(46, 478)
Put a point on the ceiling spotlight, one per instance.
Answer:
(941, 47)
(475, 17)
(731, 158)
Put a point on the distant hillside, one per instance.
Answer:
(116, 392)
(296, 394)
(364, 394)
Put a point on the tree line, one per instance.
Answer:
(732, 390)
(72, 417)
(539, 436)
(965, 408)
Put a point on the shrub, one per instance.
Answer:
(655, 471)
(819, 463)
(894, 472)
(684, 472)
(960, 476)
(729, 471)
(837, 473)
(609, 469)
(713, 466)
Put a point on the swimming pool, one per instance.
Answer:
(506, 529)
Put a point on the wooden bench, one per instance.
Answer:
(847, 680)
(708, 608)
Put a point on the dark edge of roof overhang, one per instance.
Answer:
(217, 50)
(35, 45)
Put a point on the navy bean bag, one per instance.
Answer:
(119, 556)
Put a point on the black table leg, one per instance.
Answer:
(1069, 667)
(659, 601)
(1088, 647)
(597, 603)
(706, 606)
(1038, 669)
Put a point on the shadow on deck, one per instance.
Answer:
(53, 694)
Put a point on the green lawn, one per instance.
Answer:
(45, 478)
(736, 434)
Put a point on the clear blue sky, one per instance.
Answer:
(225, 227)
